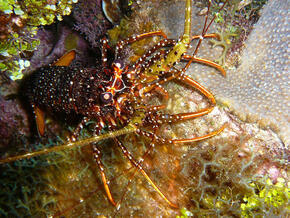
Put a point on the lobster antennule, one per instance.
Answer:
(187, 23)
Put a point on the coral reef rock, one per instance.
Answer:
(257, 90)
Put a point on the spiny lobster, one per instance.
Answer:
(115, 95)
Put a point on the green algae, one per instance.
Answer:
(24, 191)
(237, 21)
(264, 200)
(267, 200)
(22, 20)
(225, 42)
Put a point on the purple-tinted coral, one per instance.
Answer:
(53, 46)
(13, 122)
(90, 20)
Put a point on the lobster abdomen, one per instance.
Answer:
(65, 89)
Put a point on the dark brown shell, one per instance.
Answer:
(68, 90)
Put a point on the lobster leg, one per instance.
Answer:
(187, 80)
(179, 75)
(210, 35)
(163, 43)
(204, 61)
(206, 27)
(122, 43)
(139, 167)
(199, 138)
(180, 141)
(164, 94)
(97, 154)
(78, 129)
(165, 118)
(172, 42)
(184, 116)
(160, 90)
(147, 152)
(157, 88)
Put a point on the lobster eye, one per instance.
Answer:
(106, 97)
(119, 64)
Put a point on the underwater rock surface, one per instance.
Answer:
(264, 71)
(261, 82)
(258, 89)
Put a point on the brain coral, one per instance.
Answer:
(258, 89)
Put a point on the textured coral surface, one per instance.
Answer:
(258, 89)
